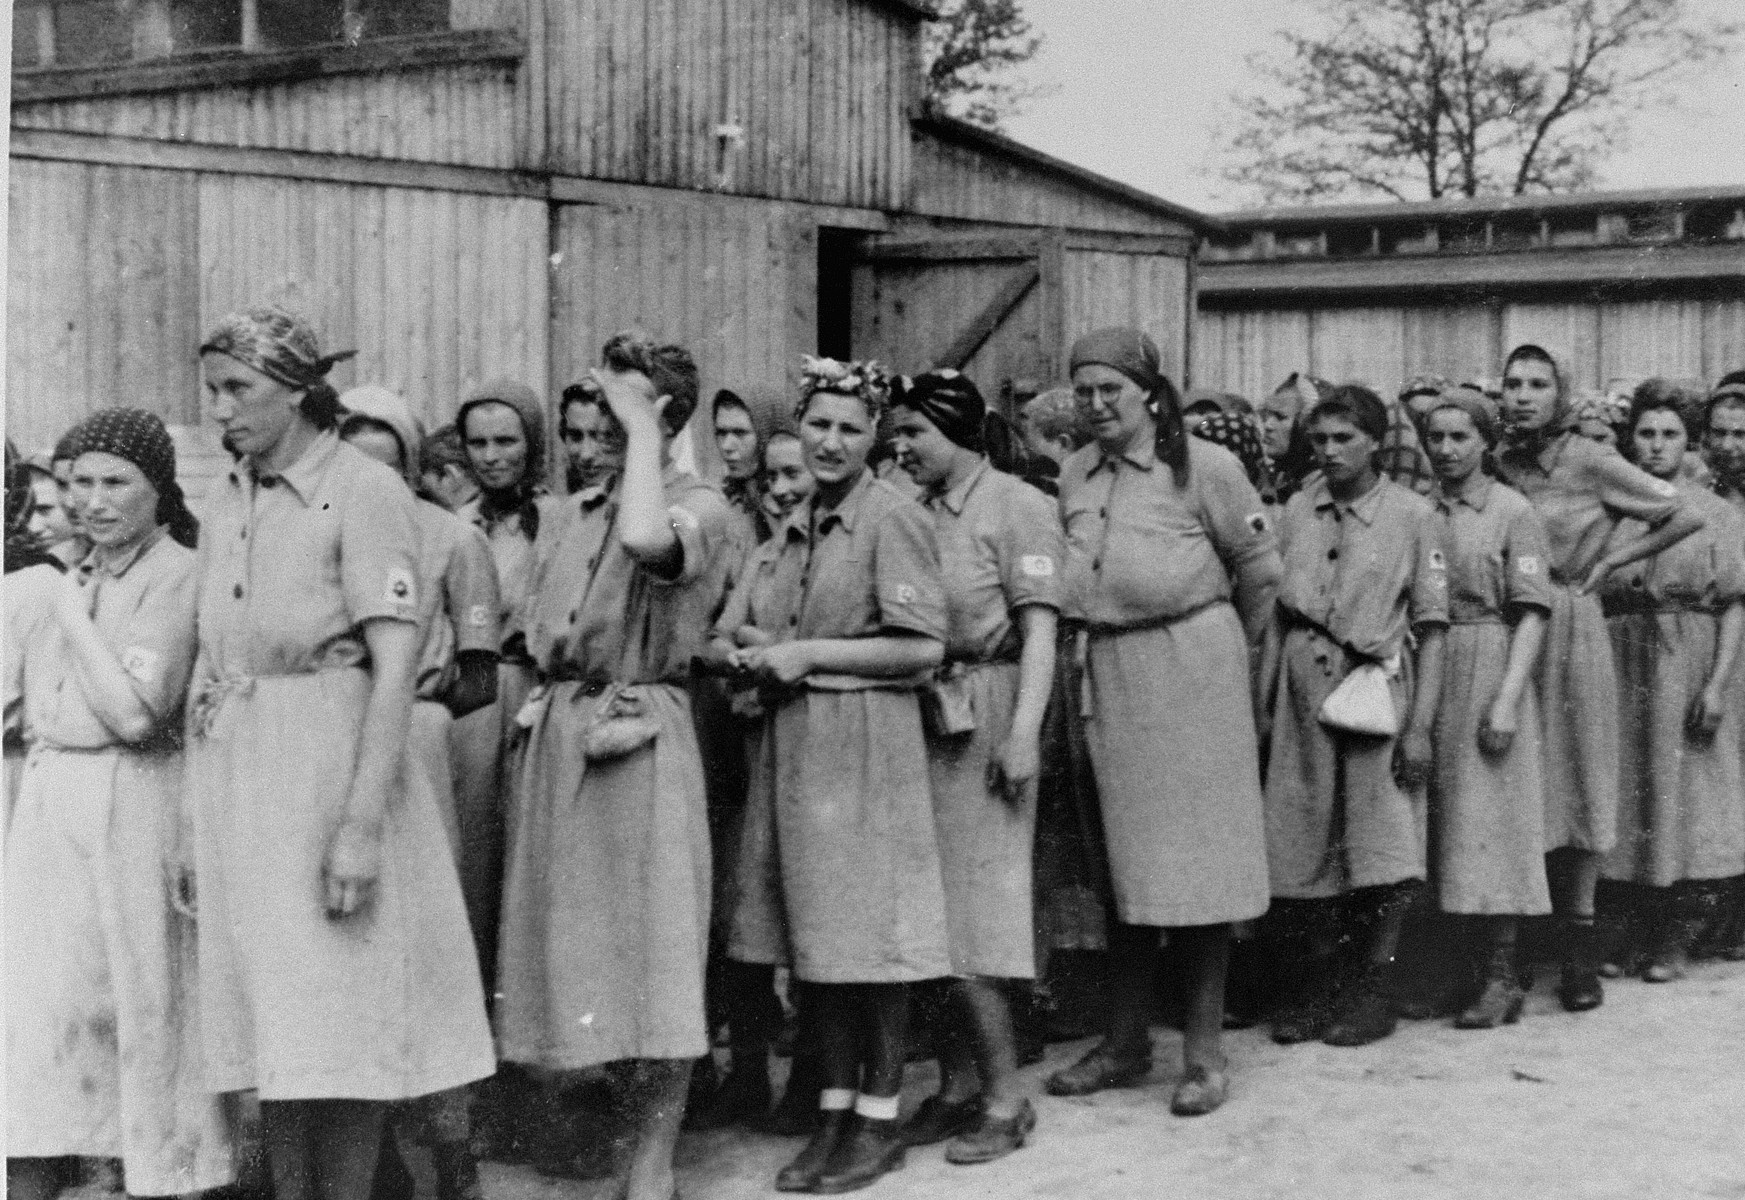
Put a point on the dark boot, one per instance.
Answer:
(802, 1174)
(1365, 1010)
(1580, 988)
(1306, 1018)
(797, 1113)
(1501, 1000)
(867, 1151)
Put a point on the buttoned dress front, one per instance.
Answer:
(1151, 568)
(1581, 490)
(1681, 804)
(840, 850)
(606, 900)
(1000, 551)
(1358, 577)
(1487, 811)
(385, 1004)
(102, 1041)
(459, 610)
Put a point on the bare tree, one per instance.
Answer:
(972, 48)
(1418, 99)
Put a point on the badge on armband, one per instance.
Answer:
(1256, 522)
(1437, 561)
(1527, 564)
(904, 594)
(1036, 566)
(478, 616)
(400, 589)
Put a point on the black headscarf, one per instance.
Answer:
(951, 401)
(140, 438)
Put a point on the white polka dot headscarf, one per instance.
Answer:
(133, 434)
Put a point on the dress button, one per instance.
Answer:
(793, 620)
(1103, 513)
(243, 535)
(237, 591)
(1333, 554)
(1096, 564)
(572, 616)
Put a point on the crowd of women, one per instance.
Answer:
(400, 764)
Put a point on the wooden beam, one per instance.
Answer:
(974, 335)
(1224, 284)
(273, 164)
(953, 249)
(1173, 245)
(1051, 260)
(242, 67)
(389, 172)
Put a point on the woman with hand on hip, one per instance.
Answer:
(1581, 491)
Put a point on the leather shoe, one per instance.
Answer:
(992, 1137)
(867, 1151)
(937, 1120)
(801, 1175)
(1098, 1070)
(1365, 1014)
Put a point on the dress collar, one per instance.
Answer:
(302, 476)
(99, 561)
(1475, 495)
(954, 499)
(1363, 508)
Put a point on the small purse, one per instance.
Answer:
(946, 708)
(619, 726)
(1363, 703)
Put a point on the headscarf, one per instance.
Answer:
(1563, 418)
(866, 381)
(1135, 355)
(1238, 433)
(1474, 404)
(523, 401)
(282, 346)
(1604, 407)
(140, 438)
(1298, 461)
(951, 401)
(370, 402)
(1424, 385)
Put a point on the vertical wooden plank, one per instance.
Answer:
(1640, 339)
(1723, 338)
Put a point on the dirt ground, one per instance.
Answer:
(1643, 1099)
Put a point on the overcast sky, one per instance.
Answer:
(1141, 89)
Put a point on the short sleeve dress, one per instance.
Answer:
(1151, 569)
(1581, 490)
(387, 1004)
(1681, 803)
(459, 610)
(1001, 550)
(1358, 577)
(1487, 812)
(840, 851)
(606, 899)
(102, 1046)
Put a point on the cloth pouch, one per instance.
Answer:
(1363, 703)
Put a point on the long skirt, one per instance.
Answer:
(1487, 812)
(606, 900)
(102, 1038)
(839, 803)
(1335, 818)
(1578, 701)
(1681, 811)
(1177, 762)
(383, 1005)
(985, 840)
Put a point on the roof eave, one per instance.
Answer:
(952, 129)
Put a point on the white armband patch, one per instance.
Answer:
(1437, 561)
(904, 594)
(1036, 566)
(400, 589)
(141, 664)
(478, 616)
(1527, 564)
(1256, 522)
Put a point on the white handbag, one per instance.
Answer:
(1364, 701)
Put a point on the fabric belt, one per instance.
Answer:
(210, 696)
(1632, 607)
(1100, 630)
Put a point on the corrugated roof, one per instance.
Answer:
(1481, 206)
(951, 129)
